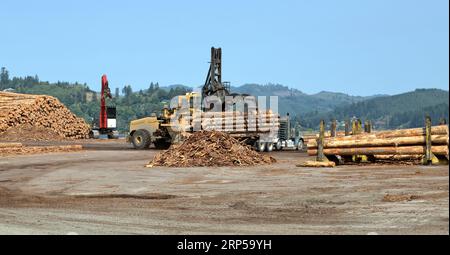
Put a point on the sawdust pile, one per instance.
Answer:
(30, 133)
(7, 149)
(210, 148)
(22, 110)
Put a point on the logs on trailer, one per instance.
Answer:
(40, 111)
(256, 121)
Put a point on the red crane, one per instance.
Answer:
(106, 93)
(107, 122)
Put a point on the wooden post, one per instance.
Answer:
(367, 126)
(356, 127)
(347, 127)
(353, 127)
(356, 130)
(333, 128)
(359, 126)
(428, 154)
(320, 155)
(430, 158)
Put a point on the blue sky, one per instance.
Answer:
(360, 47)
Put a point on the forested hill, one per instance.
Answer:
(296, 102)
(403, 110)
(84, 102)
(398, 111)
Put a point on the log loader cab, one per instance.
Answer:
(158, 129)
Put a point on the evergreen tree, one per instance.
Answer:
(127, 91)
(4, 77)
(151, 89)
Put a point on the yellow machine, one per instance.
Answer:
(161, 131)
(178, 120)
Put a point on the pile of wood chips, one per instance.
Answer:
(7, 149)
(210, 148)
(18, 110)
(26, 133)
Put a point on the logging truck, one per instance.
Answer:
(289, 137)
(259, 129)
(207, 110)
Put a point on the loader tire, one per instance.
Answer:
(141, 139)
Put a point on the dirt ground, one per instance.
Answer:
(106, 189)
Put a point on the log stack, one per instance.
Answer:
(41, 111)
(312, 137)
(237, 122)
(399, 143)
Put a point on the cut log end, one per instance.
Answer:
(311, 163)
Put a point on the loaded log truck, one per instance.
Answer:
(106, 124)
(162, 133)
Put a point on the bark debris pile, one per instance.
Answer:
(210, 148)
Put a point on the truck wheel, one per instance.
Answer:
(161, 144)
(260, 146)
(279, 146)
(300, 145)
(141, 139)
(269, 146)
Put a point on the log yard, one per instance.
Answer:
(199, 171)
(360, 150)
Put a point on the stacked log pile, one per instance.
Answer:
(210, 148)
(312, 137)
(18, 110)
(401, 143)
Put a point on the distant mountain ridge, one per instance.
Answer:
(402, 110)
(297, 102)
(398, 111)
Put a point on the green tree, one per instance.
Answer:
(151, 89)
(127, 91)
(4, 77)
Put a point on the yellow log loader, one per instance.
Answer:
(193, 112)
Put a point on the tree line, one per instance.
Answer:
(84, 102)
